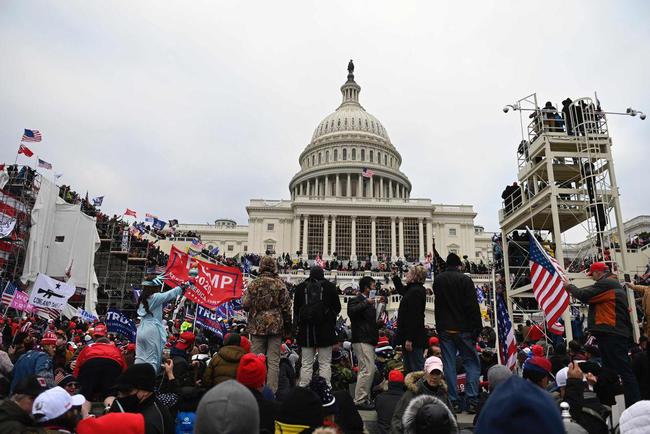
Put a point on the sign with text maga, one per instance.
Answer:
(50, 293)
(118, 323)
(215, 284)
(208, 319)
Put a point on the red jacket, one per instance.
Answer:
(99, 350)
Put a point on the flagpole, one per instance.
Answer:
(196, 314)
(494, 314)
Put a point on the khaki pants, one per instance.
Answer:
(270, 347)
(308, 355)
(366, 358)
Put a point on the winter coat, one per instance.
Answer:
(269, 306)
(456, 306)
(415, 385)
(33, 362)
(385, 404)
(608, 307)
(99, 351)
(13, 419)
(410, 316)
(585, 408)
(286, 379)
(157, 419)
(317, 335)
(223, 365)
(268, 411)
(363, 319)
(410, 422)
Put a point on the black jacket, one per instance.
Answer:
(286, 379)
(363, 318)
(585, 408)
(410, 316)
(317, 335)
(157, 419)
(385, 404)
(13, 419)
(268, 410)
(456, 306)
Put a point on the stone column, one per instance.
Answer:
(333, 236)
(305, 227)
(327, 186)
(421, 239)
(401, 237)
(337, 191)
(373, 238)
(296, 234)
(348, 190)
(390, 188)
(316, 187)
(359, 185)
(353, 243)
(429, 242)
(381, 187)
(325, 236)
(393, 246)
(371, 182)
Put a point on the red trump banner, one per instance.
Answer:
(213, 285)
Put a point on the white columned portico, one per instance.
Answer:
(333, 236)
(353, 241)
(401, 237)
(305, 227)
(325, 236)
(421, 239)
(393, 246)
(373, 238)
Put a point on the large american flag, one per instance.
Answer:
(31, 136)
(367, 173)
(508, 350)
(547, 277)
(9, 293)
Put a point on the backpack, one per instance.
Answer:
(313, 311)
(185, 422)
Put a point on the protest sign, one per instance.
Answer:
(21, 302)
(208, 319)
(86, 316)
(117, 322)
(50, 293)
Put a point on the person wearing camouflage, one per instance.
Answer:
(269, 316)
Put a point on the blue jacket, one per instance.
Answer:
(33, 362)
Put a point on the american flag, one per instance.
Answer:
(508, 350)
(44, 164)
(31, 136)
(9, 293)
(548, 278)
(367, 173)
(130, 212)
(47, 312)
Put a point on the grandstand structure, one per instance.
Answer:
(566, 179)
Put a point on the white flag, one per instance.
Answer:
(50, 293)
(7, 226)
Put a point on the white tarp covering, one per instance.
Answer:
(62, 239)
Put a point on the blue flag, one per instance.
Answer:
(117, 322)
(158, 224)
(247, 266)
(208, 319)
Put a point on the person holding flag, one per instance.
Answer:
(152, 335)
(609, 322)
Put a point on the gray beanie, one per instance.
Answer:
(228, 408)
(498, 374)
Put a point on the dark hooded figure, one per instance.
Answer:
(316, 307)
(428, 414)
(566, 104)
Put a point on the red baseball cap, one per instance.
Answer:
(433, 340)
(395, 376)
(597, 266)
(185, 340)
(100, 330)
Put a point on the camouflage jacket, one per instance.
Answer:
(268, 303)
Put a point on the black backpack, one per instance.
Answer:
(313, 311)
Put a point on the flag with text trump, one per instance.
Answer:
(548, 277)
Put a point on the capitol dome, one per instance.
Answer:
(350, 155)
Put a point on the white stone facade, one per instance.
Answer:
(334, 208)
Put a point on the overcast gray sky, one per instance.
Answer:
(189, 109)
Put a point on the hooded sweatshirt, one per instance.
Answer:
(228, 408)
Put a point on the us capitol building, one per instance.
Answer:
(349, 198)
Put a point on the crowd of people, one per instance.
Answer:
(287, 363)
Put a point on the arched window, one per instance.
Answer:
(313, 159)
(345, 154)
(385, 160)
(354, 154)
(319, 157)
(327, 156)
(336, 154)
(378, 157)
(363, 155)
(371, 159)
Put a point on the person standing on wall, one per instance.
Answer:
(365, 333)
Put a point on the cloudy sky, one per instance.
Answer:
(189, 109)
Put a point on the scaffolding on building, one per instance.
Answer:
(566, 179)
(17, 199)
(120, 265)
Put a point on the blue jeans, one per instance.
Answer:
(413, 360)
(463, 344)
(613, 350)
